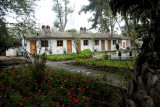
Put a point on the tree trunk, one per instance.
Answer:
(144, 86)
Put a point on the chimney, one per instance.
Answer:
(48, 29)
(84, 30)
(81, 30)
(43, 28)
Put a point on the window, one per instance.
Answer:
(44, 43)
(85, 42)
(96, 42)
(59, 42)
(114, 42)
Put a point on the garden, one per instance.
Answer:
(32, 86)
(82, 54)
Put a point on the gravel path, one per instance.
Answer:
(86, 72)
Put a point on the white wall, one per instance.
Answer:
(13, 51)
(91, 45)
(52, 46)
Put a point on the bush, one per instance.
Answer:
(105, 57)
(117, 46)
(83, 54)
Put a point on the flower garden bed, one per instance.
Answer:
(54, 88)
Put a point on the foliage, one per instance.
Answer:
(58, 88)
(102, 15)
(148, 61)
(19, 10)
(83, 54)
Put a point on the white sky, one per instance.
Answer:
(46, 16)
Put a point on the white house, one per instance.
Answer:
(58, 42)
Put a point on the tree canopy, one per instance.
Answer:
(18, 10)
(143, 88)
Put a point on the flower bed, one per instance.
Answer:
(57, 88)
(105, 64)
(83, 54)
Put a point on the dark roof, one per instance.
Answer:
(66, 35)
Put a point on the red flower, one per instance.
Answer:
(78, 76)
(21, 104)
(87, 82)
(90, 90)
(50, 74)
(3, 86)
(35, 95)
(51, 91)
(80, 90)
(55, 85)
(69, 92)
(62, 105)
(70, 97)
(87, 98)
(35, 83)
(80, 71)
(82, 84)
(99, 83)
(76, 101)
(29, 88)
(75, 81)
(25, 98)
(72, 89)
(39, 90)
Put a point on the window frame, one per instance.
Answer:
(85, 42)
(114, 43)
(96, 42)
(59, 44)
(44, 43)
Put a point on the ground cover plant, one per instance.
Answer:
(106, 63)
(82, 54)
(53, 88)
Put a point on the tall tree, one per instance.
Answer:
(102, 15)
(15, 9)
(62, 9)
(144, 86)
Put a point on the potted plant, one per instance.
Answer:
(65, 51)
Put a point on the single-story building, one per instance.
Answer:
(58, 42)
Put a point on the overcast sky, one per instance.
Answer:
(46, 16)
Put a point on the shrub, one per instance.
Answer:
(117, 46)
